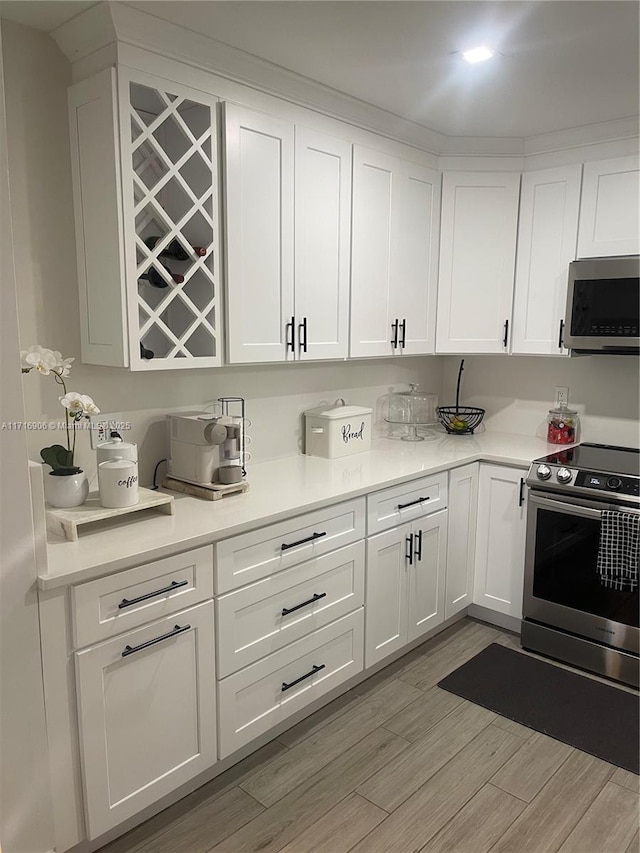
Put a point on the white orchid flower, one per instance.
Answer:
(45, 361)
(79, 405)
(38, 358)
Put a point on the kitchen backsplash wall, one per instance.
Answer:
(517, 392)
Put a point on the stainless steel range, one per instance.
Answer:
(578, 608)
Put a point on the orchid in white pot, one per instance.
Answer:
(76, 408)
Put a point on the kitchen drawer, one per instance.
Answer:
(394, 506)
(260, 553)
(116, 603)
(264, 694)
(251, 622)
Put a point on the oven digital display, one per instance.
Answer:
(591, 481)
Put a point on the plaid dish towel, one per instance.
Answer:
(619, 549)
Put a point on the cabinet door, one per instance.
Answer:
(371, 236)
(146, 713)
(499, 572)
(259, 233)
(168, 139)
(426, 575)
(322, 243)
(609, 220)
(461, 547)
(394, 258)
(386, 594)
(415, 236)
(547, 237)
(477, 255)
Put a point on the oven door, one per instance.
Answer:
(562, 587)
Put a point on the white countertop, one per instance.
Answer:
(278, 489)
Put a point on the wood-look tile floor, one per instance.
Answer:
(397, 764)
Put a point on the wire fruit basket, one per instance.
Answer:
(460, 420)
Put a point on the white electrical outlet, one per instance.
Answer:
(562, 395)
(103, 424)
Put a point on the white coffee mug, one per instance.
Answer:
(118, 483)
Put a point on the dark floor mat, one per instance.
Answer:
(594, 717)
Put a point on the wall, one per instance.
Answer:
(37, 76)
(518, 391)
(25, 801)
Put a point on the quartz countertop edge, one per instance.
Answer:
(279, 489)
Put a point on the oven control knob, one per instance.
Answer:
(614, 483)
(563, 475)
(543, 472)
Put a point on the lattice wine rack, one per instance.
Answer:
(169, 144)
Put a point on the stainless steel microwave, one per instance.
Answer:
(603, 306)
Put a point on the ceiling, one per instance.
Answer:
(563, 63)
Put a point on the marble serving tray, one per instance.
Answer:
(66, 522)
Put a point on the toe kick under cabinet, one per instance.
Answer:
(146, 697)
(297, 630)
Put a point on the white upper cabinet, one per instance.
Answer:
(288, 208)
(477, 256)
(259, 233)
(322, 244)
(394, 255)
(144, 167)
(609, 221)
(547, 236)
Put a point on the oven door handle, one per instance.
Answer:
(561, 506)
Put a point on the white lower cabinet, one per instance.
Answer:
(461, 540)
(405, 586)
(500, 541)
(258, 697)
(146, 714)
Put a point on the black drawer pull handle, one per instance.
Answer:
(521, 492)
(408, 554)
(394, 326)
(413, 503)
(316, 597)
(312, 538)
(129, 650)
(561, 334)
(403, 326)
(127, 602)
(291, 344)
(311, 672)
(505, 339)
(418, 551)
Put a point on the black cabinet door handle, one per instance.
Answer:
(403, 326)
(561, 334)
(316, 597)
(127, 602)
(285, 546)
(311, 672)
(409, 552)
(302, 334)
(521, 492)
(506, 333)
(418, 551)
(291, 325)
(413, 503)
(129, 650)
(394, 326)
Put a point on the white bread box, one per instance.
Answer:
(339, 430)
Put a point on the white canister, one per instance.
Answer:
(116, 448)
(336, 431)
(118, 483)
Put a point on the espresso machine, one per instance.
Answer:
(206, 449)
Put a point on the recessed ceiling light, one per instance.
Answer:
(477, 54)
